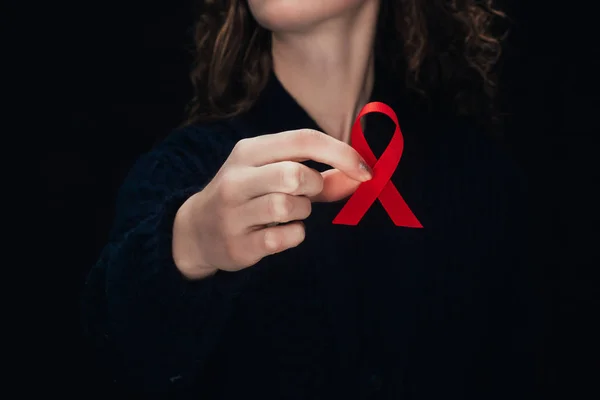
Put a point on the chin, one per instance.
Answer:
(298, 15)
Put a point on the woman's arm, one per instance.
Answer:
(156, 326)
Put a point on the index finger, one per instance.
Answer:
(301, 145)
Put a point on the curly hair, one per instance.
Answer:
(446, 49)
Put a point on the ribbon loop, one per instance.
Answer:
(381, 186)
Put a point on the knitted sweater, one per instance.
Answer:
(354, 312)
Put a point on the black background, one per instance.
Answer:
(118, 73)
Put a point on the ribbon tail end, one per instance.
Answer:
(339, 220)
(336, 222)
(416, 225)
(411, 222)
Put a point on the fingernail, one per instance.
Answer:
(367, 171)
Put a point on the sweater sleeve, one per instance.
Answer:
(157, 327)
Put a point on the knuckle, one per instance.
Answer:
(240, 148)
(279, 206)
(307, 206)
(320, 183)
(235, 253)
(307, 137)
(273, 241)
(301, 232)
(228, 185)
(291, 176)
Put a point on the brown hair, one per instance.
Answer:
(435, 44)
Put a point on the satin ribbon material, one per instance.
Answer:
(381, 186)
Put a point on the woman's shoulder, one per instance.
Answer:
(187, 155)
(201, 139)
(200, 145)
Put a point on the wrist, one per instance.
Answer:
(185, 245)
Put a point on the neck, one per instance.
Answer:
(330, 70)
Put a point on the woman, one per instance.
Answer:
(225, 276)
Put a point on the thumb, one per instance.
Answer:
(336, 186)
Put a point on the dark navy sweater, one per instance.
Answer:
(354, 312)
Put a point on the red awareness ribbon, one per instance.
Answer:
(380, 187)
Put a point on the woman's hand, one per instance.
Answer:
(255, 204)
